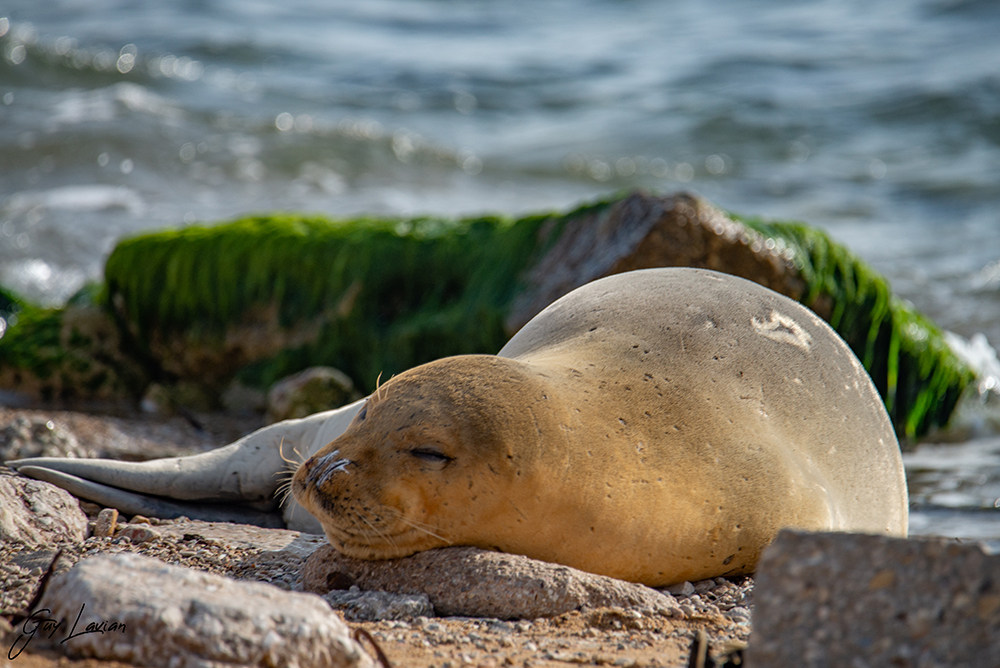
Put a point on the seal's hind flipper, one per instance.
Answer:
(132, 503)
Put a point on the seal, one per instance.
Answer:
(656, 426)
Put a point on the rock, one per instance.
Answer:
(470, 582)
(682, 589)
(279, 554)
(241, 399)
(155, 614)
(106, 523)
(370, 606)
(179, 398)
(37, 513)
(156, 400)
(311, 391)
(639, 232)
(69, 354)
(277, 544)
(139, 533)
(24, 438)
(840, 599)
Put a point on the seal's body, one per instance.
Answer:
(655, 426)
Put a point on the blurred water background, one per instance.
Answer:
(878, 121)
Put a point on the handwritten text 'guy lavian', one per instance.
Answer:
(39, 622)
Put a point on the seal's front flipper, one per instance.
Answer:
(131, 503)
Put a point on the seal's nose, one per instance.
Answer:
(319, 469)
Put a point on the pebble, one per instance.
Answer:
(739, 614)
(682, 589)
(107, 521)
(139, 533)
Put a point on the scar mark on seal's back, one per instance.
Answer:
(783, 329)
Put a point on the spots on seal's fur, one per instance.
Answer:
(783, 329)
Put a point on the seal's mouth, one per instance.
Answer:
(362, 529)
(370, 544)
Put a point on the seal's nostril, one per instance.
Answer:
(325, 466)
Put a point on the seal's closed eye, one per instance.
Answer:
(431, 455)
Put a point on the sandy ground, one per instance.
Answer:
(602, 637)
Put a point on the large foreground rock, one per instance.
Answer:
(825, 600)
(470, 582)
(37, 513)
(155, 614)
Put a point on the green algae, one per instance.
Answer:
(917, 374)
(385, 294)
(32, 340)
(65, 354)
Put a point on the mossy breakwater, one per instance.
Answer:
(370, 297)
(262, 297)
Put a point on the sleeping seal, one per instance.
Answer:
(656, 426)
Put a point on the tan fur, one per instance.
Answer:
(656, 426)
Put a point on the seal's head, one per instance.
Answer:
(426, 463)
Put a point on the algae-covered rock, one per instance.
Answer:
(261, 298)
(70, 353)
(311, 391)
(265, 297)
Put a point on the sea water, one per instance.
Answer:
(878, 121)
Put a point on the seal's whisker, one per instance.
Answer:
(378, 386)
(419, 526)
(281, 453)
(284, 491)
(285, 475)
(381, 534)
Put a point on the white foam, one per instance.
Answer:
(978, 410)
(41, 281)
(76, 198)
